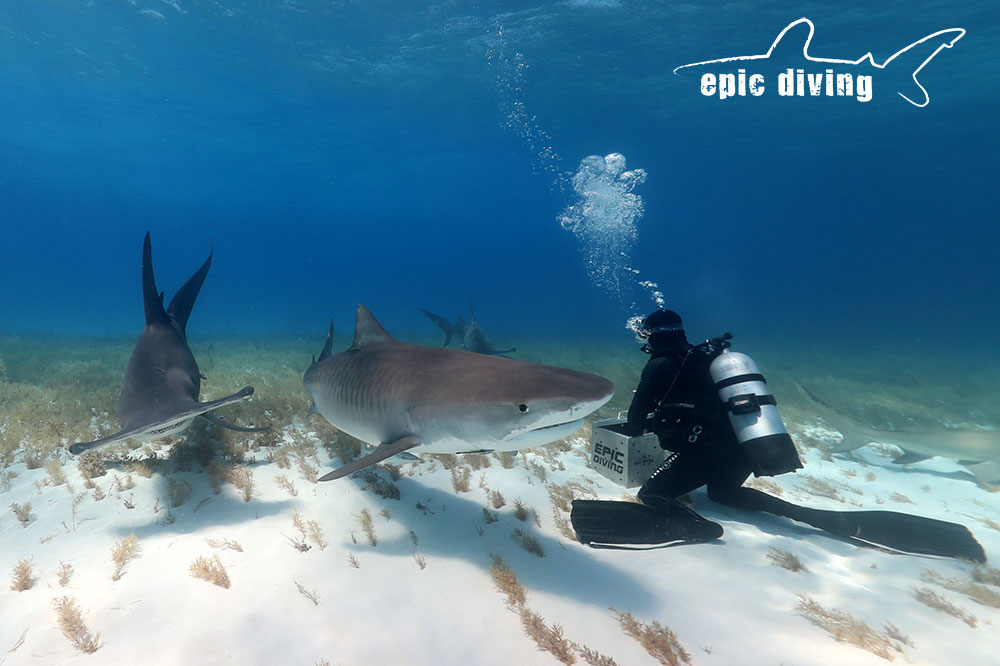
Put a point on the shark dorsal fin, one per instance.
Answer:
(183, 301)
(327, 346)
(152, 300)
(367, 330)
(792, 44)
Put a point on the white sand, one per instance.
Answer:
(727, 603)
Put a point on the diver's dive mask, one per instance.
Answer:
(646, 334)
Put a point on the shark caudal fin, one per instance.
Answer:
(443, 324)
(152, 300)
(472, 310)
(905, 64)
(183, 301)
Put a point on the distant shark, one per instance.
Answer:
(470, 334)
(159, 396)
(401, 397)
(977, 450)
(791, 49)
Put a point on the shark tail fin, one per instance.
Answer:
(152, 300)
(443, 324)
(908, 62)
(472, 310)
(183, 301)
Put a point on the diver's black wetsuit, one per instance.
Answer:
(692, 423)
(704, 449)
(697, 432)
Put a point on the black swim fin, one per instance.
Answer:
(605, 524)
(895, 531)
(906, 533)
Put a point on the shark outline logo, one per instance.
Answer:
(958, 34)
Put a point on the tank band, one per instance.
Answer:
(738, 379)
(748, 403)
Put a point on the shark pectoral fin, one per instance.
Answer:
(408, 457)
(849, 443)
(121, 435)
(909, 457)
(381, 452)
(219, 421)
(158, 428)
(203, 407)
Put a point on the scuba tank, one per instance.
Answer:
(753, 414)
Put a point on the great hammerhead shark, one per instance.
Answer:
(159, 395)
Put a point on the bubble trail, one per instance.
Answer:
(604, 218)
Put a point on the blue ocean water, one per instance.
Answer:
(405, 153)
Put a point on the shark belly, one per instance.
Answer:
(159, 430)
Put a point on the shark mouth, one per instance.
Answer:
(168, 429)
(545, 434)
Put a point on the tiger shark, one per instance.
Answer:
(402, 397)
(470, 334)
(159, 395)
(976, 450)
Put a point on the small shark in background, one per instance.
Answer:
(471, 335)
(159, 395)
(399, 397)
(791, 49)
(977, 450)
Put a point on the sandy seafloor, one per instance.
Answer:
(726, 601)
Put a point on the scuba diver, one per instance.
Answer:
(711, 409)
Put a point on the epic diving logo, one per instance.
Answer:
(798, 74)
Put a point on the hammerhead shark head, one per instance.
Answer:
(977, 450)
(471, 336)
(791, 49)
(159, 395)
(399, 397)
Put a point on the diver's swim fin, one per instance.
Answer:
(907, 533)
(606, 524)
(895, 531)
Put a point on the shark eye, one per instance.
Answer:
(523, 407)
